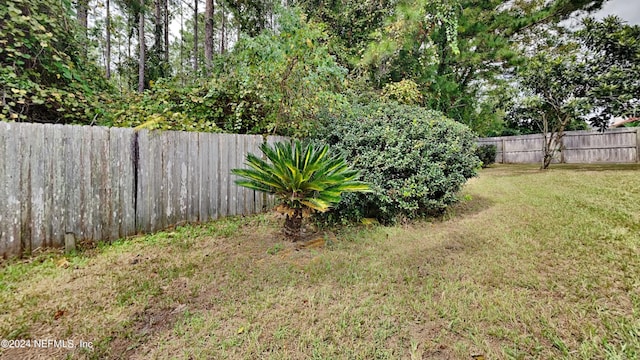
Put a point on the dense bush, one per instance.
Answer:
(405, 92)
(276, 82)
(487, 154)
(44, 75)
(415, 160)
(168, 106)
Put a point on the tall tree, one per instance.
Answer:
(142, 53)
(554, 90)
(181, 43)
(158, 22)
(208, 35)
(156, 64)
(166, 31)
(44, 76)
(223, 33)
(252, 15)
(195, 36)
(614, 65)
(108, 46)
(461, 80)
(82, 12)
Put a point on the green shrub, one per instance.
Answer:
(405, 92)
(276, 82)
(302, 179)
(487, 154)
(415, 160)
(44, 75)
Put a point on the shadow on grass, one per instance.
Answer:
(511, 170)
(467, 207)
(525, 169)
(597, 167)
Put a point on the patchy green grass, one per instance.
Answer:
(531, 265)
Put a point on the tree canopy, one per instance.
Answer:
(260, 66)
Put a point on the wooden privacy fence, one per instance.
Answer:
(576, 147)
(102, 184)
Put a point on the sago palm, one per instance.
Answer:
(302, 179)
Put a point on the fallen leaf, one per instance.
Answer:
(63, 263)
(58, 314)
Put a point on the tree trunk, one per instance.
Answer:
(108, 26)
(293, 225)
(195, 37)
(222, 29)
(181, 44)
(158, 40)
(141, 57)
(166, 32)
(546, 146)
(82, 13)
(208, 35)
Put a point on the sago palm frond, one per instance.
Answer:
(300, 176)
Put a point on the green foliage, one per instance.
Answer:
(302, 179)
(416, 160)
(349, 24)
(458, 52)
(613, 68)
(404, 47)
(554, 88)
(561, 88)
(487, 154)
(404, 92)
(168, 107)
(277, 82)
(44, 76)
(252, 15)
(291, 73)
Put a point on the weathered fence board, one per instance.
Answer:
(25, 188)
(56, 188)
(4, 184)
(216, 178)
(101, 184)
(223, 143)
(203, 178)
(13, 190)
(578, 147)
(232, 196)
(193, 176)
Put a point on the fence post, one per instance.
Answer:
(503, 150)
(638, 144)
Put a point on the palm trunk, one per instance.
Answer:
(293, 225)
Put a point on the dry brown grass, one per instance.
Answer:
(531, 265)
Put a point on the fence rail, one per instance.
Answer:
(575, 147)
(101, 184)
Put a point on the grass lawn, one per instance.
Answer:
(531, 265)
